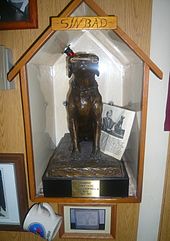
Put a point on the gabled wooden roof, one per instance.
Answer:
(67, 12)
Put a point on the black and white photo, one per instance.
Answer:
(9, 206)
(92, 219)
(13, 193)
(81, 220)
(14, 10)
(18, 14)
(116, 127)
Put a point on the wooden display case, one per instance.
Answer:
(124, 77)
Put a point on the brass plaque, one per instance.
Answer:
(85, 188)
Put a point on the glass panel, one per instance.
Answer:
(119, 81)
(83, 10)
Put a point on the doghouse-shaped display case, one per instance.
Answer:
(123, 81)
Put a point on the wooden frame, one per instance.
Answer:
(107, 231)
(20, 68)
(31, 20)
(13, 202)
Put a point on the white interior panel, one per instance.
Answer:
(42, 117)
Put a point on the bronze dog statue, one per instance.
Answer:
(84, 102)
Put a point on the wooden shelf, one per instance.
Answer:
(87, 200)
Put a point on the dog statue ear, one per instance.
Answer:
(97, 72)
(69, 68)
(69, 52)
(69, 71)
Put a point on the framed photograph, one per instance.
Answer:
(82, 221)
(18, 14)
(13, 192)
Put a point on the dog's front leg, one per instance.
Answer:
(73, 125)
(74, 136)
(96, 140)
(97, 129)
(97, 136)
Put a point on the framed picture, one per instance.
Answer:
(18, 14)
(13, 192)
(82, 221)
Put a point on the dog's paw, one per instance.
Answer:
(95, 155)
(75, 155)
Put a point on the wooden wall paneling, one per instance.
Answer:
(134, 17)
(127, 222)
(11, 122)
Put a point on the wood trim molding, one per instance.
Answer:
(143, 129)
(27, 126)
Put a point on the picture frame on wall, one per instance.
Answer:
(18, 14)
(88, 221)
(13, 192)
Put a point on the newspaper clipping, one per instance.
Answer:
(116, 127)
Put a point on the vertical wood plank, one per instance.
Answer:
(11, 122)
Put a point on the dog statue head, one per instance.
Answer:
(81, 62)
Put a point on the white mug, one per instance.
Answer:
(42, 220)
